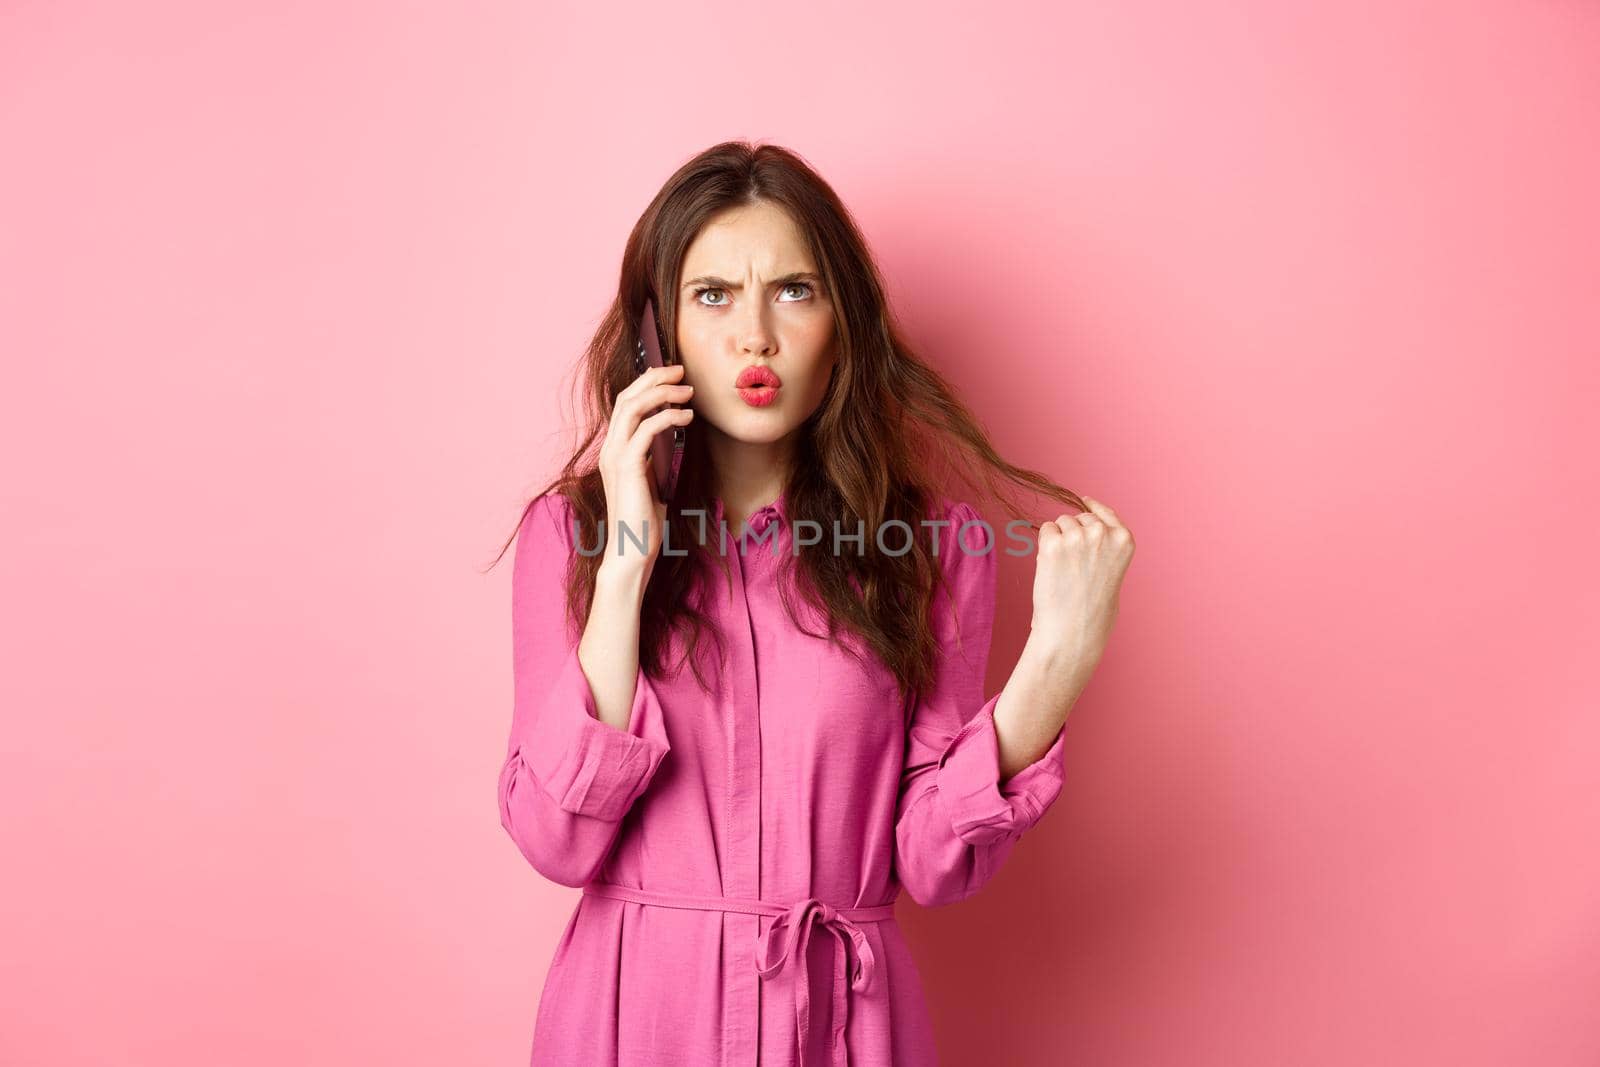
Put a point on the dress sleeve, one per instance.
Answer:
(955, 821)
(568, 777)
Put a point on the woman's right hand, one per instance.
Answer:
(625, 467)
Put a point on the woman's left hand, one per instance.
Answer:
(1082, 560)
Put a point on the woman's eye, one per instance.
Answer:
(698, 293)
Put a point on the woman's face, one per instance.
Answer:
(749, 296)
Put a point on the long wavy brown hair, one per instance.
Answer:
(888, 440)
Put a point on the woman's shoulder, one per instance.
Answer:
(547, 520)
(953, 509)
(959, 517)
(948, 518)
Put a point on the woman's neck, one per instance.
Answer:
(748, 477)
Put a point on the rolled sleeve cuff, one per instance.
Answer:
(981, 810)
(587, 766)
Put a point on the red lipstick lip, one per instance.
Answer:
(760, 398)
(758, 386)
(757, 375)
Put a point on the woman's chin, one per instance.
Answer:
(756, 426)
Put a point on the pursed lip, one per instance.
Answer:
(754, 376)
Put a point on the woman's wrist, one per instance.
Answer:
(1058, 656)
(622, 576)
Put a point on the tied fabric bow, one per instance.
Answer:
(795, 926)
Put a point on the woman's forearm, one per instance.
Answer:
(609, 649)
(1036, 700)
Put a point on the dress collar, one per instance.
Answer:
(776, 509)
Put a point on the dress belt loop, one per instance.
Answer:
(793, 923)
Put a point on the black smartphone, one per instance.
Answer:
(666, 451)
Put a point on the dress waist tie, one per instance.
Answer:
(793, 923)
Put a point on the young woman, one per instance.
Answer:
(742, 829)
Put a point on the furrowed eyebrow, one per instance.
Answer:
(723, 283)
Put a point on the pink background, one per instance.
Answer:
(1307, 292)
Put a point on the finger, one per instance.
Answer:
(626, 409)
(669, 372)
(1104, 511)
(1114, 527)
(630, 409)
(646, 394)
(645, 435)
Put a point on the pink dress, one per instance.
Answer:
(740, 854)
